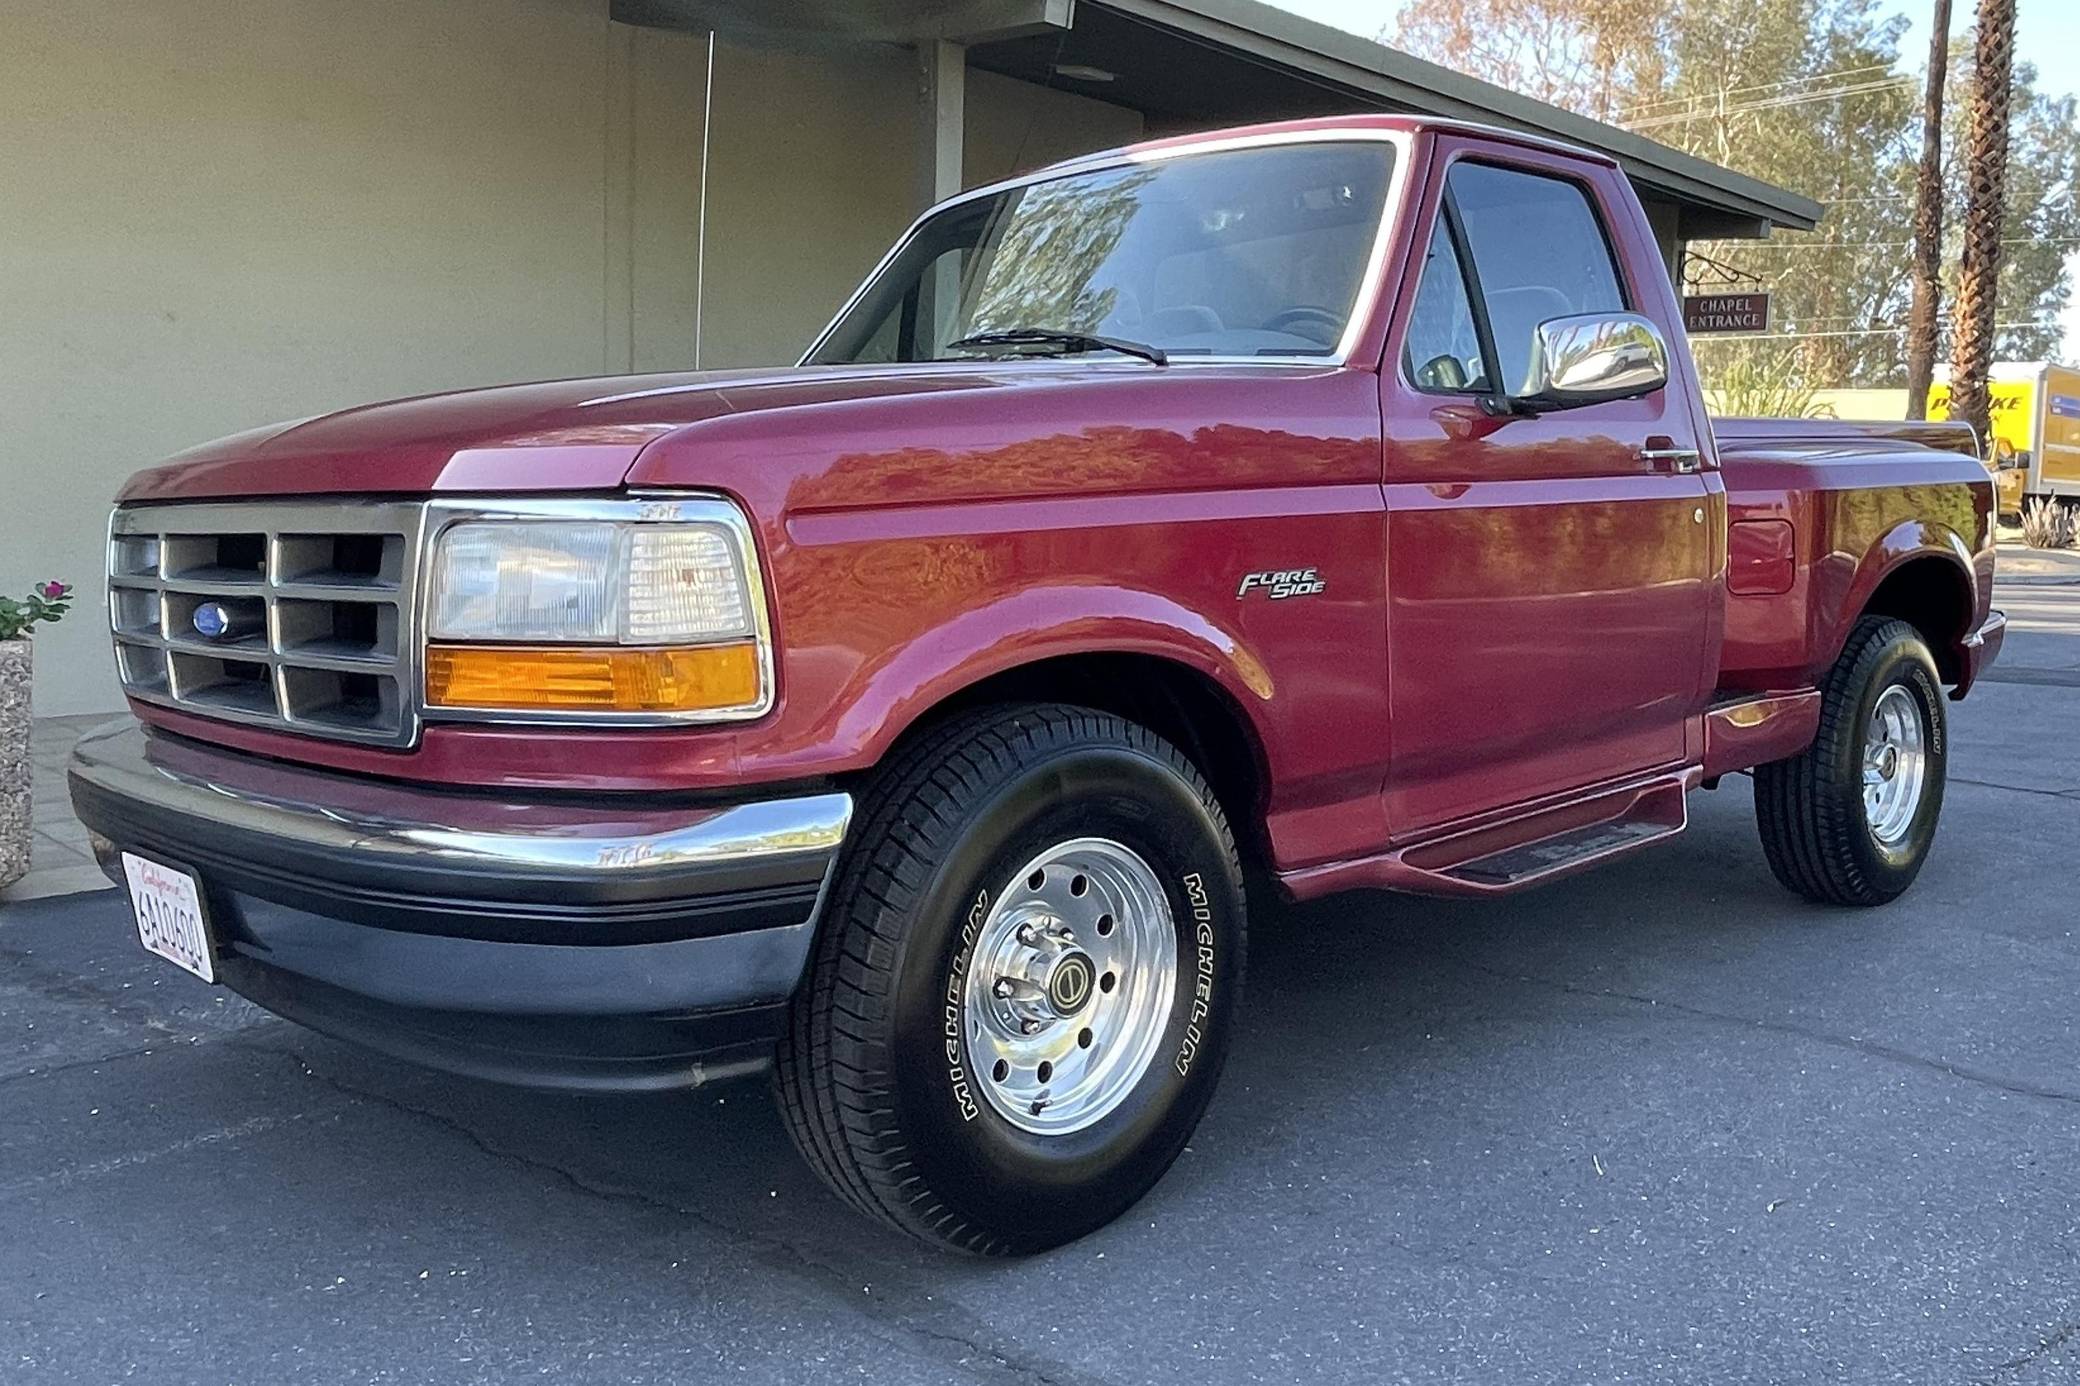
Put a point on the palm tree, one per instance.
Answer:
(1928, 222)
(1986, 168)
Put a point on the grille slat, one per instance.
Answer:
(321, 597)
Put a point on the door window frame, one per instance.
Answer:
(1447, 214)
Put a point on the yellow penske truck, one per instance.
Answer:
(2035, 448)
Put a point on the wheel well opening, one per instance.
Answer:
(1930, 595)
(1175, 701)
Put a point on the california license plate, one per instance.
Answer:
(169, 915)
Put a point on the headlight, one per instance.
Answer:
(654, 615)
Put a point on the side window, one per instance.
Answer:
(917, 325)
(938, 304)
(881, 347)
(1443, 350)
(1539, 252)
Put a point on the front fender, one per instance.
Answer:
(1028, 626)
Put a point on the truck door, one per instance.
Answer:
(1551, 595)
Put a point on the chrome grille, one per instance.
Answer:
(318, 598)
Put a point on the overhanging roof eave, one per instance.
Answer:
(1279, 39)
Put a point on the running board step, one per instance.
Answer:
(1534, 861)
(1558, 839)
(1524, 848)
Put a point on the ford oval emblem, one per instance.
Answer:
(212, 621)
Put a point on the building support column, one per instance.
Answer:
(942, 121)
(942, 69)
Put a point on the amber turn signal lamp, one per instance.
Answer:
(553, 678)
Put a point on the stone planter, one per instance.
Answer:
(14, 761)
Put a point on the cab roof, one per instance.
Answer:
(1359, 122)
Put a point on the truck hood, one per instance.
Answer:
(561, 435)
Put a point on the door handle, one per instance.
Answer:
(1663, 455)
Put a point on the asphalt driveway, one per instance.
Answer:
(1665, 1123)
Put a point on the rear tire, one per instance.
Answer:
(1023, 990)
(1850, 820)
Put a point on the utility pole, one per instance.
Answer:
(1928, 222)
(1986, 166)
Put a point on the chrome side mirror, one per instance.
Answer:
(1591, 358)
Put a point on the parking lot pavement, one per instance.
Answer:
(2041, 593)
(1664, 1123)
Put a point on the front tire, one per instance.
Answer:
(1023, 992)
(1850, 820)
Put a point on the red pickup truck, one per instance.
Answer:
(1333, 498)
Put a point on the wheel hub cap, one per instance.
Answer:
(1070, 986)
(1070, 983)
(1895, 766)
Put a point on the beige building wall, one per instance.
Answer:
(814, 171)
(1014, 127)
(812, 167)
(219, 213)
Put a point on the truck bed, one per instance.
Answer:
(1941, 435)
(1822, 513)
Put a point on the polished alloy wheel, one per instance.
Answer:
(1880, 742)
(1895, 765)
(1070, 986)
(1001, 1060)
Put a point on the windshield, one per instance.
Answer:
(1243, 252)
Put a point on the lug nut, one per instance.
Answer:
(1016, 989)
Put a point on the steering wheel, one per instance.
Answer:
(1288, 318)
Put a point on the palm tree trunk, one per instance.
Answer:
(1986, 166)
(1928, 222)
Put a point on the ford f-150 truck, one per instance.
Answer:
(1333, 498)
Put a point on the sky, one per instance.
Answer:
(2044, 27)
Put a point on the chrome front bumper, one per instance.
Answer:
(575, 942)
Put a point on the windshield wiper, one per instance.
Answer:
(1067, 341)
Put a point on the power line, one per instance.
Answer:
(1646, 106)
(2068, 241)
(1705, 102)
(1851, 332)
(1771, 103)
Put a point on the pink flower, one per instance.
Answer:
(54, 591)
